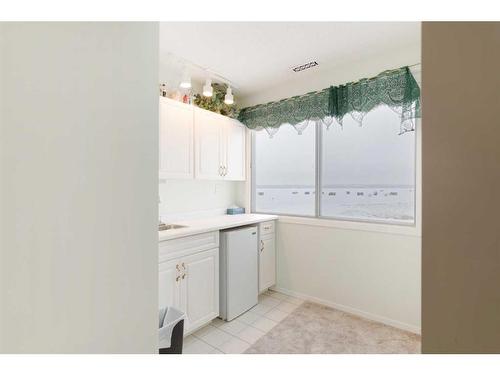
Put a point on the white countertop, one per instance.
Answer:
(209, 224)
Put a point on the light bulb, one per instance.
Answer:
(186, 80)
(208, 89)
(229, 99)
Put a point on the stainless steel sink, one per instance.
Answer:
(164, 226)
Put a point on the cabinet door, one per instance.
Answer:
(169, 285)
(176, 139)
(208, 145)
(200, 288)
(267, 262)
(234, 150)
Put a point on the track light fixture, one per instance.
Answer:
(229, 99)
(186, 79)
(208, 90)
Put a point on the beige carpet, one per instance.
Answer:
(318, 329)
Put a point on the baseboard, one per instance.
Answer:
(351, 310)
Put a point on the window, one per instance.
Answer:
(368, 172)
(284, 172)
(365, 173)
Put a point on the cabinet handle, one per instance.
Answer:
(220, 170)
(183, 276)
(177, 267)
(261, 246)
(225, 170)
(183, 266)
(177, 279)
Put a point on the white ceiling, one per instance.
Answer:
(256, 55)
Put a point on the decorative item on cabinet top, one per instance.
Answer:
(216, 103)
(185, 96)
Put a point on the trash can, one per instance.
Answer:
(171, 330)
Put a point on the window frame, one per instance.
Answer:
(386, 226)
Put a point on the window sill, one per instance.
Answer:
(403, 230)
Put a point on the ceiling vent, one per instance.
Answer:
(302, 67)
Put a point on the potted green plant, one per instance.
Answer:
(215, 103)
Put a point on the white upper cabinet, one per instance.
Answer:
(208, 145)
(196, 143)
(176, 139)
(235, 150)
(219, 147)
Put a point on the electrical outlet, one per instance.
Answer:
(217, 188)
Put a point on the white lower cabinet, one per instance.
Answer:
(189, 279)
(200, 289)
(267, 256)
(189, 273)
(169, 286)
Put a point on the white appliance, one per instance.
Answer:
(239, 271)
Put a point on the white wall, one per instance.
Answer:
(179, 197)
(79, 150)
(370, 273)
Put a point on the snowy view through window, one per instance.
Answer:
(368, 172)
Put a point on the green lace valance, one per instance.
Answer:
(296, 111)
(397, 89)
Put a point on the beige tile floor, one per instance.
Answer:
(235, 337)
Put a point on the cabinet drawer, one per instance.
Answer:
(266, 227)
(187, 245)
